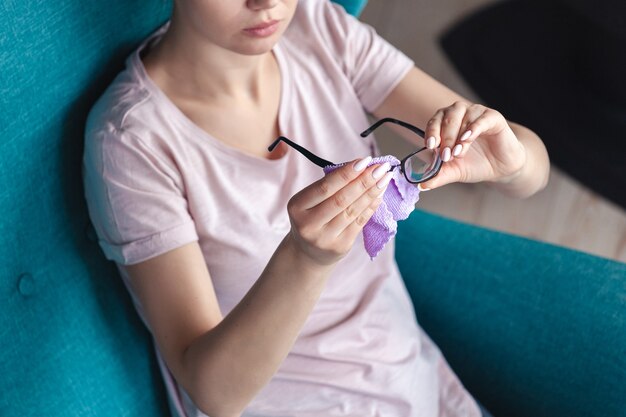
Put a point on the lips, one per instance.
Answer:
(263, 29)
(263, 25)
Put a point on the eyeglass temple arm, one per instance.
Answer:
(373, 127)
(310, 155)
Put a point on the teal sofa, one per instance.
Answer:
(532, 329)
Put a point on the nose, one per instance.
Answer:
(262, 4)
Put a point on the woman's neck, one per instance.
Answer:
(192, 68)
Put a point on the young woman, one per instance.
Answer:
(247, 265)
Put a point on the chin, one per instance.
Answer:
(255, 51)
(256, 47)
(250, 45)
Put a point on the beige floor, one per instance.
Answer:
(565, 213)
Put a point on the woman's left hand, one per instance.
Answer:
(476, 144)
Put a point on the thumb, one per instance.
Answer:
(448, 174)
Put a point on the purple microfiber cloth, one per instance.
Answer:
(398, 202)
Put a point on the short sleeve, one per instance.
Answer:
(373, 66)
(135, 198)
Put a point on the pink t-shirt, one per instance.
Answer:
(155, 181)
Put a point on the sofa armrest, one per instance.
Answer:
(532, 329)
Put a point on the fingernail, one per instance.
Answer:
(445, 154)
(384, 181)
(466, 135)
(457, 150)
(430, 142)
(422, 188)
(380, 171)
(362, 164)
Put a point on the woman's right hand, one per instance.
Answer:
(327, 216)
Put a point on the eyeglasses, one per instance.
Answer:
(417, 167)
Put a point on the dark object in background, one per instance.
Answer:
(559, 70)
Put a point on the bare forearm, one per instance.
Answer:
(535, 172)
(225, 367)
(228, 365)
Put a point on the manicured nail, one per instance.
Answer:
(380, 171)
(362, 164)
(422, 188)
(457, 150)
(445, 154)
(385, 180)
(466, 136)
(430, 142)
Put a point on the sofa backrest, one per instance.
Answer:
(71, 342)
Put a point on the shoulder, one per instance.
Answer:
(120, 136)
(125, 119)
(128, 104)
(114, 110)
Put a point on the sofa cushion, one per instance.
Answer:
(532, 329)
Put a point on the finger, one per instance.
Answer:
(448, 174)
(433, 129)
(348, 216)
(484, 123)
(473, 113)
(450, 128)
(351, 231)
(460, 149)
(466, 138)
(339, 204)
(322, 189)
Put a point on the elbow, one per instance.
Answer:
(214, 405)
(213, 394)
(215, 380)
(215, 410)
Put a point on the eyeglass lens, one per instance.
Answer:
(421, 165)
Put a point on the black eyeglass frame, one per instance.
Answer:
(323, 163)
